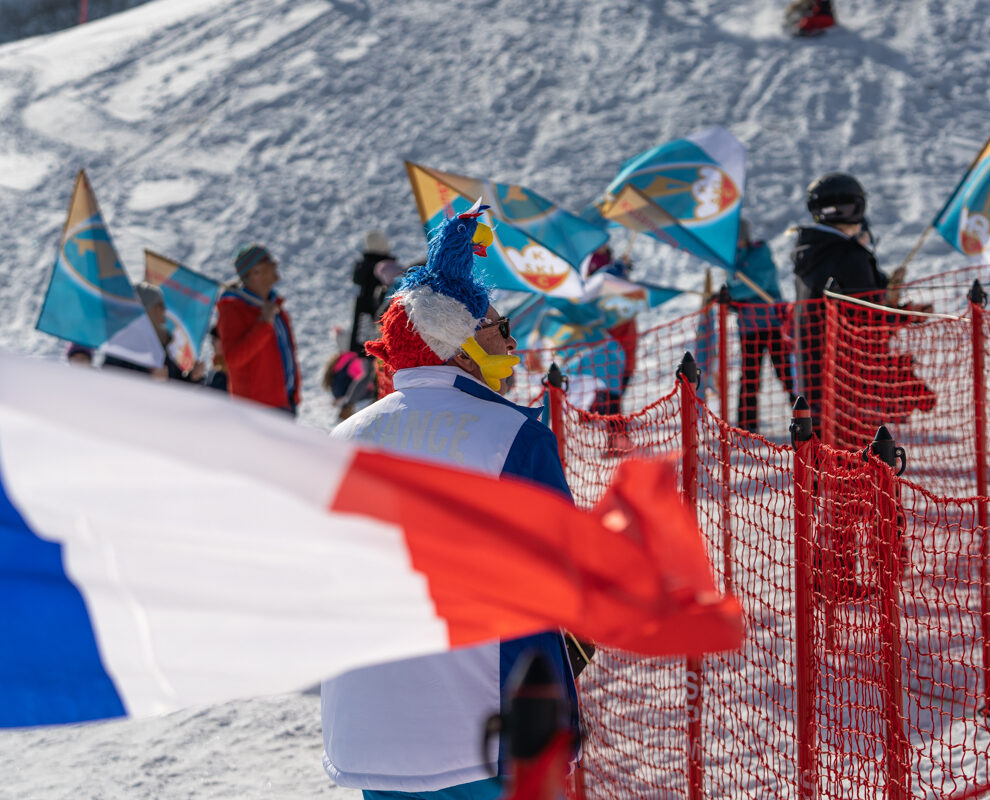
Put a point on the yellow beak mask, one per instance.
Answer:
(493, 368)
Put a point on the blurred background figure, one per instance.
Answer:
(79, 356)
(153, 300)
(376, 249)
(387, 272)
(626, 335)
(809, 17)
(754, 289)
(349, 377)
(216, 378)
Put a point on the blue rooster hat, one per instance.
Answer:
(439, 305)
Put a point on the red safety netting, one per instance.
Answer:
(866, 668)
(910, 372)
(947, 291)
(596, 372)
(880, 664)
(858, 366)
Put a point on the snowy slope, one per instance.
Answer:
(205, 124)
(22, 18)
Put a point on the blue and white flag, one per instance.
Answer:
(686, 193)
(607, 300)
(90, 299)
(189, 301)
(964, 221)
(538, 246)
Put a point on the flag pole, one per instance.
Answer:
(893, 295)
(898, 273)
(629, 244)
(83, 9)
(754, 286)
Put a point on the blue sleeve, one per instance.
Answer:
(765, 271)
(756, 263)
(534, 456)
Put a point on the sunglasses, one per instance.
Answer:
(503, 327)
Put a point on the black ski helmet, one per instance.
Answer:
(836, 198)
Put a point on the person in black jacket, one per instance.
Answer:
(829, 254)
(376, 248)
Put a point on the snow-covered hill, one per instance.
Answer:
(20, 18)
(205, 124)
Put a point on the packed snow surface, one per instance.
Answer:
(207, 124)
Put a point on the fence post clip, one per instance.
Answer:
(884, 448)
(977, 295)
(555, 378)
(801, 428)
(688, 369)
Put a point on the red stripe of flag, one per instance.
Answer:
(506, 557)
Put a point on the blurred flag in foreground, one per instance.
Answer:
(90, 299)
(189, 300)
(291, 557)
(964, 221)
(686, 193)
(538, 245)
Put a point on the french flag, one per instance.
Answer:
(162, 547)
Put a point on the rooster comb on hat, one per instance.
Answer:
(439, 305)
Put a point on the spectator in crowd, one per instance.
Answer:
(829, 253)
(626, 335)
(256, 334)
(411, 728)
(350, 378)
(809, 17)
(376, 249)
(216, 378)
(387, 272)
(79, 355)
(153, 300)
(624, 332)
(754, 290)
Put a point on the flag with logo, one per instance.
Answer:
(189, 301)
(577, 330)
(293, 557)
(964, 221)
(90, 299)
(606, 301)
(538, 246)
(686, 193)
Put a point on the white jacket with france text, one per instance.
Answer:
(416, 725)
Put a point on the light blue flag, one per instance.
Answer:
(189, 301)
(90, 299)
(538, 246)
(577, 330)
(964, 221)
(608, 301)
(686, 193)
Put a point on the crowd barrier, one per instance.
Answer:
(866, 668)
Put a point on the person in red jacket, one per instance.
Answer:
(256, 334)
(809, 17)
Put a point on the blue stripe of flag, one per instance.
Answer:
(50, 666)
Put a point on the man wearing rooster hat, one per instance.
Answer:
(411, 728)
